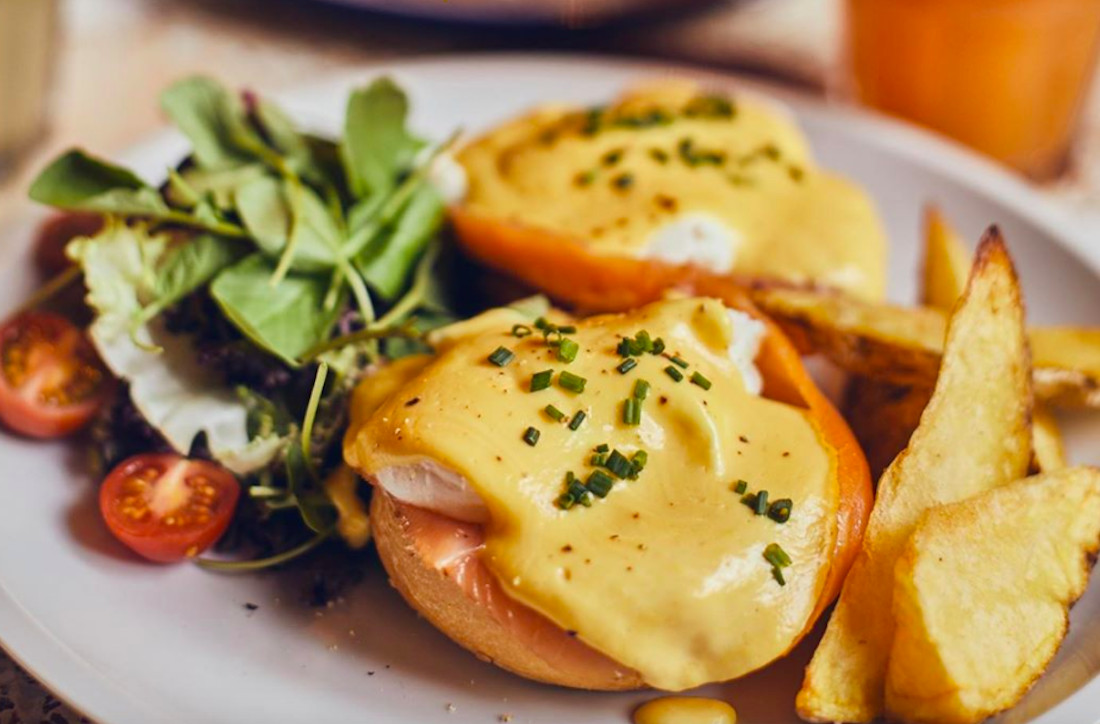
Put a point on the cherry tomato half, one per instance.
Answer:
(166, 507)
(51, 380)
(56, 232)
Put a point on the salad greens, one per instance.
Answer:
(319, 233)
(242, 299)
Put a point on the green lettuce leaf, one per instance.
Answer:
(377, 145)
(174, 393)
(265, 207)
(287, 320)
(214, 120)
(82, 182)
(387, 265)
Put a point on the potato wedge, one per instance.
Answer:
(1050, 452)
(974, 435)
(982, 594)
(903, 345)
(883, 417)
(1067, 364)
(946, 261)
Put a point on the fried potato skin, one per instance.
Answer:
(946, 262)
(883, 417)
(903, 345)
(1013, 559)
(960, 449)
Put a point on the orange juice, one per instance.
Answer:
(1007, 77)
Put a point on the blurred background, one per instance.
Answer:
(1009, 78)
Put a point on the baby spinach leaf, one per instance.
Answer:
(190, 265)
(215, 121)
(187, 186)
(78, 181)
(266, 207)
(265, 214)
(386, 265)
(284, 136)
(287, 319)
(377, 146)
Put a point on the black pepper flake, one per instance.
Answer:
(623, 181)
(612, 157)
(659, 155)
(743, 439)
(413, 401)
(251, 606)
(666, 202)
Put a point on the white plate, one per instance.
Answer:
(130, 643)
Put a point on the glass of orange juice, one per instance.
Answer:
(1007, 77)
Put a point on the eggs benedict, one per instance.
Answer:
(668, 182)
(658, 498)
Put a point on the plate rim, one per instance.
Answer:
(97, 696)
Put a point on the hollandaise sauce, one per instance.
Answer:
(639, 491)
(672, 173)
(685, 710)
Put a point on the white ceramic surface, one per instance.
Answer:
(131, 643)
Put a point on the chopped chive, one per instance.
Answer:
(674, 373)
(698, 379)
(624, 347)
(626, 365)
(641, 389)
(598, 460)
(749, 499)
(542, 324)
(777, 574)
(761, 503)
(567, 350)
(678, 361)
(618, 464)
(571, 382)
(555, 340)
(638, 461)
(775, 555)
(780, 510)
(501, 356)
(599, 483)
(585, 499)
(565, 501)
(632, 411)
(645, 343)
(531, 436)
(602, 447)
(541, 380)
(658, 346)
(740, 487)
(578, 420)
(521, 330)
(568, 329)
(555, 414)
